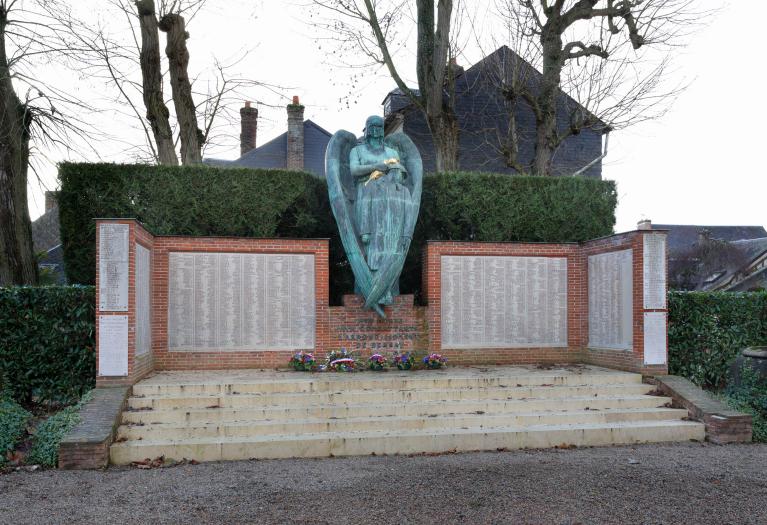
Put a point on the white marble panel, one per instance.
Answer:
(654, 271)
(113, 267)
(113, 345)
(610, 300)
(504, 302)
(143, 300)
(655, 352)
(231, 301)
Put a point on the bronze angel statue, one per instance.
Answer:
(375, 193)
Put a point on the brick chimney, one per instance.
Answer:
(644, 224)
(295, 160)
(248, 128)
(50, 200)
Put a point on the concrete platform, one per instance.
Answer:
(218, 415)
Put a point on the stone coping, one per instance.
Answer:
(87, 444)
(723, 424)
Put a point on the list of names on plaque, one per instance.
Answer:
(654, 271)
(240, 301)
(143, 301)
(655, 338)
(113, 267)
(113, 345)
(504, 302)
(610, 300)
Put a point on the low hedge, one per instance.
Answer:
(13, 423)
(204, 200)
(707, 330)
(49, 433)
(47, 342)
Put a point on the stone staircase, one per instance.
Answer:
(209, 416)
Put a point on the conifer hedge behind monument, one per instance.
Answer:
(204, 200)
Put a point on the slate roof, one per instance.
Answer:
(274, 153)
(682, 237)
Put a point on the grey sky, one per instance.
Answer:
(700, 164)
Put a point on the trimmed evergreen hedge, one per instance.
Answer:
(707, 330)
(204, 200)
(47, 342)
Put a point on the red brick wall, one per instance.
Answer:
(577, 302)
(406, 327)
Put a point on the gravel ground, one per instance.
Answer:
(681, 483)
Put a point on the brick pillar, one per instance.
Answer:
(248, 128)
(295, 160)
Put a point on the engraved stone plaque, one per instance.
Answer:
(654, 271)
(113, 267)
(655, 338)
(240, 301)
(113, 345)
(504, 302)
(143, 301)
(610, 300)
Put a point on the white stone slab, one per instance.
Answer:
(113, 267)
(504, 302)
(655, 352)
(113, 345)
(611, 300)
(654, 271)
(143, 289)
(240, 301)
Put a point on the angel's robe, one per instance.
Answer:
(379, 209)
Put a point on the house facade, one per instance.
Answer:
(484, 113)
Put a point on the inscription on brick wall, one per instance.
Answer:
(654, 271)
(377, 336)
(113, 345)
(610, 300)
(240, 301)
(655, 338)
(498, 302)
(143, 302)
(113, 267)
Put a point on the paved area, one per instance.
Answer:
(681, 483)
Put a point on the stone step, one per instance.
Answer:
(406, 442)
(288, 382)
(388, 408)
(173, 431)
(188, 401)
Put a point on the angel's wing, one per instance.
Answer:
(411, 159)
(341, 191)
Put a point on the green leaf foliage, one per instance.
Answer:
(750, 396)
(706, 331)
(47, 342)
(13, 422)
(49, 433)
(204, 200)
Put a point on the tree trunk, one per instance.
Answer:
(151, 71)
(17, 259)
(444, 131)
(178, 57)
(546, 119)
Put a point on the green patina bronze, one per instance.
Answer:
(375, 193)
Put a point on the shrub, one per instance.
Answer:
(750, 396)
(47, 342)
(708, 329)
(204, 200)
(13, 422)
(49, 433)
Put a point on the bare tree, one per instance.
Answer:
(372, 28)
(587, 49)
(32, 113)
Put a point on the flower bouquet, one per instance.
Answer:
(404, 360)
(435, 361)
(341, 361)
(302, 362)
(377, 362)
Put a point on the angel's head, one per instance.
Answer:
(374, 131)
